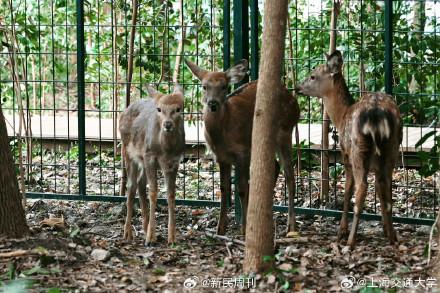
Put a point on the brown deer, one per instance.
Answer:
(370, 134)
(228, 132)
(153, 136)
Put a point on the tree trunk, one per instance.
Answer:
(326, 119)
(12, 219)
(259, 232)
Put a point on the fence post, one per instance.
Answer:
(226, 34)
(241, 51)
(80, 53)
(227, 51)
(389, 47)
(254, 40)
(241, 31)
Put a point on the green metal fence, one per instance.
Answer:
(65, 62)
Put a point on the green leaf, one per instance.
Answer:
(37, 270)
(425, 138)
(11, 271)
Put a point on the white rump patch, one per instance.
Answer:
(383, 128)
(369, 129)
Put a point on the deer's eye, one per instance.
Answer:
(224, 87)
(178, 110)
(204, 87)
(312, 77)
(159, 109)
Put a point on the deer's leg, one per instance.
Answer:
(151, 172)
(132, 172)
(285, 152)
(383, 188)
(170, 181)
(225, 188)
(142, 191)
(243, 190)
(349, 184)
(360, 172)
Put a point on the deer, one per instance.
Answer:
(153, 137)
(370, 134)
(228, 121)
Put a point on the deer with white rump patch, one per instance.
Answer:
(370, 134)
(228, 123)
(153, 137)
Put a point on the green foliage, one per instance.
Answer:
(16, 286)
(46, 34)
(309, 159)
(430, 159)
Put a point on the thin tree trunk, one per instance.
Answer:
(12, 218)
(259, 232)
(180, 47)
(165, 67)
(293, 76)
(16, 79)
(131, 52)
(326, 118)
(128, 85)
(418, 26)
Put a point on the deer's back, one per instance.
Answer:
(232, 139)
(141, 134)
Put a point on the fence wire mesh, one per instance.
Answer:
(39, 86)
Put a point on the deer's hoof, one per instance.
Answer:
(342, 233)
(392, 237)
(221, 230)
(150, 244)
(128, 235)
(351, 243)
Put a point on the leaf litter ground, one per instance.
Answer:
(87, 254)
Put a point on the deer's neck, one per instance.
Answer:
(171, 141)
(337, 103)
(214, 122)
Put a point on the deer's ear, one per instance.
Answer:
(153, 93)
(178, 89)
(237, 72)
(196, 70)
(335, 62)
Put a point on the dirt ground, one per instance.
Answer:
(83, 252)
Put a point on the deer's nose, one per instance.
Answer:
(213, 105)
(168, 125)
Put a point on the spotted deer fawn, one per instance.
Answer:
(370, 134)
(153, 136)
(228, 132)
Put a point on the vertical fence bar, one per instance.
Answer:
(80, 53)
(389, 46)
(226, 34)
(241, 51)
(227, 49)
(241, 31)
(254, 40)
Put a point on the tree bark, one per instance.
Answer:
(12, 219)
(259, 232)
(326, 119)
